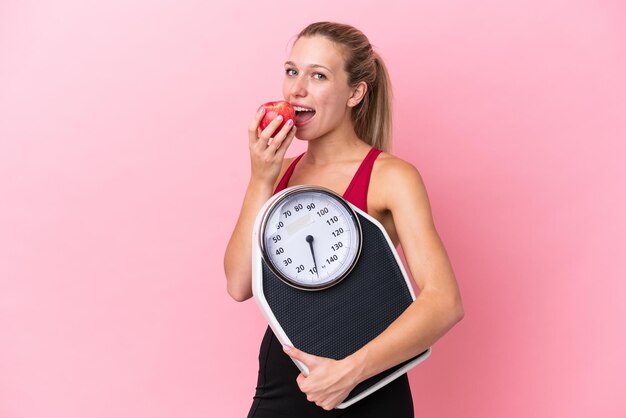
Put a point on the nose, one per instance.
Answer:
(298, 87)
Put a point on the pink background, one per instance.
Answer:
(123, 163)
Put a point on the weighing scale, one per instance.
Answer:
(327, 278)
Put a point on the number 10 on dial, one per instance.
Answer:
(310, 237)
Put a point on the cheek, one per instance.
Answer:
(335, 105)
(330, 98)
(339, 95)
(286, 89)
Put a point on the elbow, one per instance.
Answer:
(238, 293)
(449, 306)
(460, 313)
(457, 312)
(451, 310)
(239, 296)
(238, 283)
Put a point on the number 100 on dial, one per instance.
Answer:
(310, 238)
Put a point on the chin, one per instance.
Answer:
(309, 134)
(303, 137)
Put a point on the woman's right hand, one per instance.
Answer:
(267, 151)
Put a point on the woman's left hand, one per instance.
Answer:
(329, 381)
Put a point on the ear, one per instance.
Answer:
(358, 93)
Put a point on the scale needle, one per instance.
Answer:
(309, 239)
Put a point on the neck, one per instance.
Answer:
(336, 146)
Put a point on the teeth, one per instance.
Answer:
(302, 109)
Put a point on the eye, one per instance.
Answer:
(291, 72)
(319, 76)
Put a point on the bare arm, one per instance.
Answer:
(237, 259)
(437, 308)
(266, 162)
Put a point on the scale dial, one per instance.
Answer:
(310, 238)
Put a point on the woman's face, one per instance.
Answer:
(315, 81)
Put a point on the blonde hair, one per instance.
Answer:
(372, 116)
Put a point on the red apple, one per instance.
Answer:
(273, 109)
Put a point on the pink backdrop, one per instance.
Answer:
(123, 163)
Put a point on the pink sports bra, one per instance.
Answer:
(356, 193)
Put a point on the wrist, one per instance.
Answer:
(261, 184)
(358, 364)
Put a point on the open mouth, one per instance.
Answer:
(303, 115)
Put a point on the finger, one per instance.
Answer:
(280, 137)
(290, 137)
(267, 133)
(253, 129)
(284, 145)
(294, 353)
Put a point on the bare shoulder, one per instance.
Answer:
(396, 180)
(389, 165)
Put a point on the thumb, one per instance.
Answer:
(294, 353)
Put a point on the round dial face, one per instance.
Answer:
(310, 238)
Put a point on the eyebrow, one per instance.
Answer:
(310, 66)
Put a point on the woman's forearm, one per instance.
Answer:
(428, 318)
(238, 258)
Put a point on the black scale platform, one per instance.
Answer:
(338, 321)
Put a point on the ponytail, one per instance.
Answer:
(372, 117)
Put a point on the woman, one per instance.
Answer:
(341, 92)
